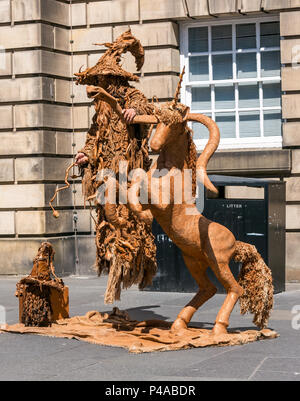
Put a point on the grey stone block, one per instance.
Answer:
(291, 78)
(80, 138)
(4, 11)
(5, 61)
(87, 255)
(270, 5)
(35, 35)
(156, 60)
(27, 142)
(161, 60)
(6, 117)
(82, 61)
(289, 22)
(47, 35)
(63, 91)
(30, 222)
(44, 115)
(79, 198)
(197, 9)
(49, 190)
(293, 217)
(6, 170)
(80, 95)
(25, 196)
(296, 161)
(293, 189)
(222, 6)
(291, 106)
(65, 263)
(29, 169)
(263, 161)
(62, 39)
(33, 63)
(40, 61)
(156, 9)
(17, 255)
(64, 224)
(85, 38)
(26, 10)
(65, 197)
(41, 222)
(249, 6)
(82, 117)
(7, 223)
(291, 134)
(89, 60)
(290, 51)
(20, 36)
(292, 276)
(40, 168)
(163, 86)
(293, 255)
(64, 142)
(27, 89)
(152, 34)
(79, 15)
(113, 11)
(57, 116)
(55, 11)
(84, 221)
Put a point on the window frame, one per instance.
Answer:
(187, 85)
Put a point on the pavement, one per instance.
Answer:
(28, 357)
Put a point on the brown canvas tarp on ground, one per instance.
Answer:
(118, 330)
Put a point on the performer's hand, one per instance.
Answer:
(81, 159)
(129, 115)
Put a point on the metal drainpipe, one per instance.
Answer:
(75, 214)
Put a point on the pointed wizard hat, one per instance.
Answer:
(109, 63)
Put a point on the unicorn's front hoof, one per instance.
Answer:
(178, 325)
(219, 329)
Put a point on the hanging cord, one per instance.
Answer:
(72, 166)
(75, 214)
(55, 212)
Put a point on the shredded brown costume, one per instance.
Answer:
(128, 253)
(35, 289)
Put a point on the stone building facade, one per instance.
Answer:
(44, 116)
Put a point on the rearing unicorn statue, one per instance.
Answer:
(203, 243)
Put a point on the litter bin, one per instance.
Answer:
(259, 221)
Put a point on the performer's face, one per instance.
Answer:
(103, 82)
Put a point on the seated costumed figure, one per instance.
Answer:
(127, 251)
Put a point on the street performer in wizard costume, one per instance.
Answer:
(126, 251)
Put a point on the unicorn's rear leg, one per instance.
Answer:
(206, 291)
(234, 292)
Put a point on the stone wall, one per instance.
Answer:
(38, 132)
(44, 116)
(290, 57)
